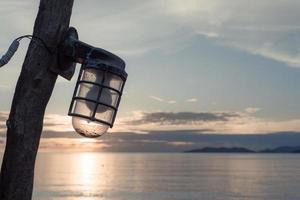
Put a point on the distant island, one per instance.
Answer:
(221, 150)
(283, 149)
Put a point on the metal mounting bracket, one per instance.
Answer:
(65, 65)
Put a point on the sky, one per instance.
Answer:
(196, 66)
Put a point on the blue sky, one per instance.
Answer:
(197, 56)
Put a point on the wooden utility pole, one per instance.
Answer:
(31, 97)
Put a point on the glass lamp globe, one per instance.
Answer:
(96, 99)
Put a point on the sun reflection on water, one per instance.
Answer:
(72, 176)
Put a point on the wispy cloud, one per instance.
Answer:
(208, 34)
(223, 22)
(156, 98)
(72, 144)
(57, 123)
(180, 143)
(3, 118)
(192, 100)
(52, 122)
(162, 100)
(252, 110)
(269, 52)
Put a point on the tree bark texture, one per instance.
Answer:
(33, 91)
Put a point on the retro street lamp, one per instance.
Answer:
(99, 85)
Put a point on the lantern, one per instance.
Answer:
(98, 88)
(96, 98)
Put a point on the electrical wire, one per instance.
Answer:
(38, 39)
(15, 45)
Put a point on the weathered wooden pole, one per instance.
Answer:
(32, 94)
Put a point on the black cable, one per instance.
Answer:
(15, 45)
(37, 39)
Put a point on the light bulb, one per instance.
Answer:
(88, 127)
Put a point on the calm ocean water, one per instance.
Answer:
(137, 176)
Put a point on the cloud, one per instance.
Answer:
(269, 52)
(223, 22)
(181, 117)
(156, 98)
(161, 121)
(3, 118)
(258, 30)
(208, 34)
(180, 143)
(52, 123)
(209, 122)
(192, 100)
(72, 144)
(141, 123)
(3, 115)
(57, 123)
(162, 100)
(252, 110)
(167, 131)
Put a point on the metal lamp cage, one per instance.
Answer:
(98, 92)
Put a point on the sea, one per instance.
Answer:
(167, 176)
